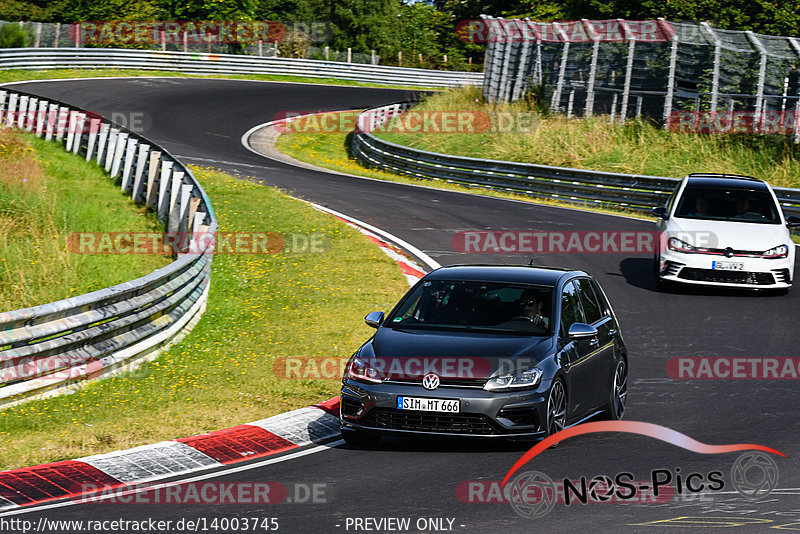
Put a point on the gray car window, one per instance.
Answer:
(589, 301)
(571, 311)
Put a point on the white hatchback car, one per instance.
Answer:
(725, 230)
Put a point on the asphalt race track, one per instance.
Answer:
(202, 122)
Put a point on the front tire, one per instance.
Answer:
(618, 396)
(359, 439)
(556, 409)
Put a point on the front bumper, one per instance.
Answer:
(757, 273)
(514, 414)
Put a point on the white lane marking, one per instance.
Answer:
(430, 262)
(206, 476)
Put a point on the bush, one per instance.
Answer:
(13, 36)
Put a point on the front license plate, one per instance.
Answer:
(428, 405)
(727, 265)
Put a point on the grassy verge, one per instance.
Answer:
(45, 195)
(261, 307)
(330, 150)
(636, 147)
(25, 75)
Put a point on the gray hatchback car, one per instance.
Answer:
(497, 351)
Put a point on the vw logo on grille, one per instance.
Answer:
(729, 252)
(430, 381)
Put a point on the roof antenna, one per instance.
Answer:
(530, 263)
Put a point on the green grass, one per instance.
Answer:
(24, 75)
(636, 147)
(330, 150)
(45, 195)
(261, 307)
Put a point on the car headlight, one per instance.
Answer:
(520, 379)
(360, 371)
(781, 251)
(680, 246)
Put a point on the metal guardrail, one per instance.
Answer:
(196, 63)
(635, 192)
(54, 346)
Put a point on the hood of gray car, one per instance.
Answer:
(453, 354)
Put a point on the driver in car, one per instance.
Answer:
(532, 305)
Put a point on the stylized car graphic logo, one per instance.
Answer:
(430, 381)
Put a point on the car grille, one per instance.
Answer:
(728, 277)
(443, 382)
(391, 419)
(731, 253)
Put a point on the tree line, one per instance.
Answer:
(423, 33)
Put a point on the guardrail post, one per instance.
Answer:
(119, 154)
(522, 67)
(30, 119)
(3, 97)
(717, 59)
(191, 217)
(137, 193)
(130, 153)
(796, 47)
(184, 208)
(110, 147)
(12, 109)
(22, 113)
(80, 127)
(71, 117)
(626, 91)
(52, 119)
(41, 117)
(570, 103)
(673, 60)
(762, 73)
(588, 110)
(102, 143)
(164, 191)
(61, 123)
(151, 197)
(173, 217)
(94, 126)
(555, 104)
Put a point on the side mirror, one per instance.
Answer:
(374, 319)
(582, 331)
(660, 212)
(793, 221)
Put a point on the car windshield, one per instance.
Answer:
(727, 204)
(476, 307)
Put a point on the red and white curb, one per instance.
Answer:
(291, 430)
